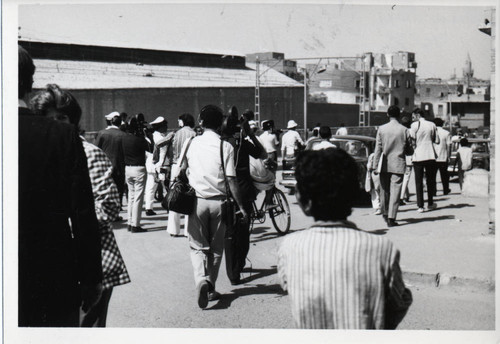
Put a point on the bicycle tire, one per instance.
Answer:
(280, 216)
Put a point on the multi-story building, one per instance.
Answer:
(275, 61)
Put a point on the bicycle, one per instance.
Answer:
(278, 210)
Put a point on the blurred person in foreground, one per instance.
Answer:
(356, 275)
(206, 227)
(62, 106)
(59, 248)
(186, 131)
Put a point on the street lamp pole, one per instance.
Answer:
(305, 104)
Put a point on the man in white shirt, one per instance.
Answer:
(289, 139)
(325, 133)
(269, 139)
(206, 226)
(443, 155)
(342, 130)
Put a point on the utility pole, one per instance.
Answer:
(257, 91)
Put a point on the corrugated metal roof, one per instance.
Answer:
(98, 75)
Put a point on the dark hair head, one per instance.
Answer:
(187, 119)
(438, 122)
(229, 126)
(342, 124)
(249, 115)
(406, 120)
(140, 118)
(117, 121)
(25, 72)
(267, 124)
(420, 112)
(53, 98)
(315, 132)
(134, 126)
(325, 132)
(211, 115)
(393, 111)
(464, 142)
(328, 178)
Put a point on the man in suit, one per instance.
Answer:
(59, 243)
(389, 161)
(110, 141)
(424, 134)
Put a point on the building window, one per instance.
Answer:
(357, 83)
(408, 83)
(440, 109)
(407, 101)
(441, 94)
(396, 101)
(396, 83)
(428, 90)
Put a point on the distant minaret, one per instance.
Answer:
(468, 73)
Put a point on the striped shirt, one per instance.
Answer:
(340, 277)
(107, 207)
(180, 137)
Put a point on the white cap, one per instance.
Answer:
(291, 124)
(158, 120)
(112, 115)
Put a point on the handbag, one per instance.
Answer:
(228, 206)
(181, 197)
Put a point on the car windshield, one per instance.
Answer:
(479, 147)
(353, 147)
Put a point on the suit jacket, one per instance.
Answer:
(391, 140)
(425, 135)
(110, 141)
(54, 188)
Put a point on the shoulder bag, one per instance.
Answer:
(181, 197)
(228, 207)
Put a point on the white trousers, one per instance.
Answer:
(151, 187)
(135, 176)
(375, 191)
(174, 219)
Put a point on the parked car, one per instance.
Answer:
(480, 154)
(359, 147)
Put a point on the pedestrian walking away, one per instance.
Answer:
(443, 150)
(390, 163)
(424, 135)
(62, 106)
(464, 160)
(206, 227)
(59, 267)
(134, 150)
(186, 131)
(338, 276)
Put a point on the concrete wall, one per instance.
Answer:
(280, 104)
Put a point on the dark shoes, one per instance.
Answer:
(401, 202)
(135, 229)
(235, 281)
(391, 223)
(213, 296)
(446, 192)
(118, 219)
(202, 291)
(150, 212)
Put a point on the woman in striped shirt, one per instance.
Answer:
(338, 276)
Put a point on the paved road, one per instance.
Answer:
(162, 292)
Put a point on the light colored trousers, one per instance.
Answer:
(151, 187)
(390, 191)
(375, 191)
(135, 176)
(406, 181)
(174, 219)
(206, 239)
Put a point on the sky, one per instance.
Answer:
(440, 36)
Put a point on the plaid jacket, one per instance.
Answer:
(107, 207)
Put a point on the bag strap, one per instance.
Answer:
(228, 193)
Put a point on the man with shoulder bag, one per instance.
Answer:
(208, 175)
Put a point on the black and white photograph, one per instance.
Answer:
(224, 171)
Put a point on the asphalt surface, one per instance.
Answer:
(451, 241)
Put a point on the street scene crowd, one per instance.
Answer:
(337, 276)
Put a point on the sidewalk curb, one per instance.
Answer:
(443, 280)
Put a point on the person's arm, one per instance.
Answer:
(435, 136)
(235, 192)
(378, 152)
(84, 224)
(300, 138)
(398, 297)
(181, 161)
(283, 147)
(256, 150)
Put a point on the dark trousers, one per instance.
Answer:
(237, 245)
(445, 178)
(36, 312)
(429, 166)
(119, 179)
(96, 317)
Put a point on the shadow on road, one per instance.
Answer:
(381, 231)
(258, 230)
(425, 219)
(259, 289)
(457, 206)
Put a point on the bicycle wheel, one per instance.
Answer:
(280, 214)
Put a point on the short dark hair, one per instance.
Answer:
(249, 115)
(325, 132)
(464, 142)
(315, 132)
(52, 97)
(329, 179)
(211, 115)
(187, 119)
(117, 121)
(420, 112)
(438, 122)
(25, 72)
(393, 111)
